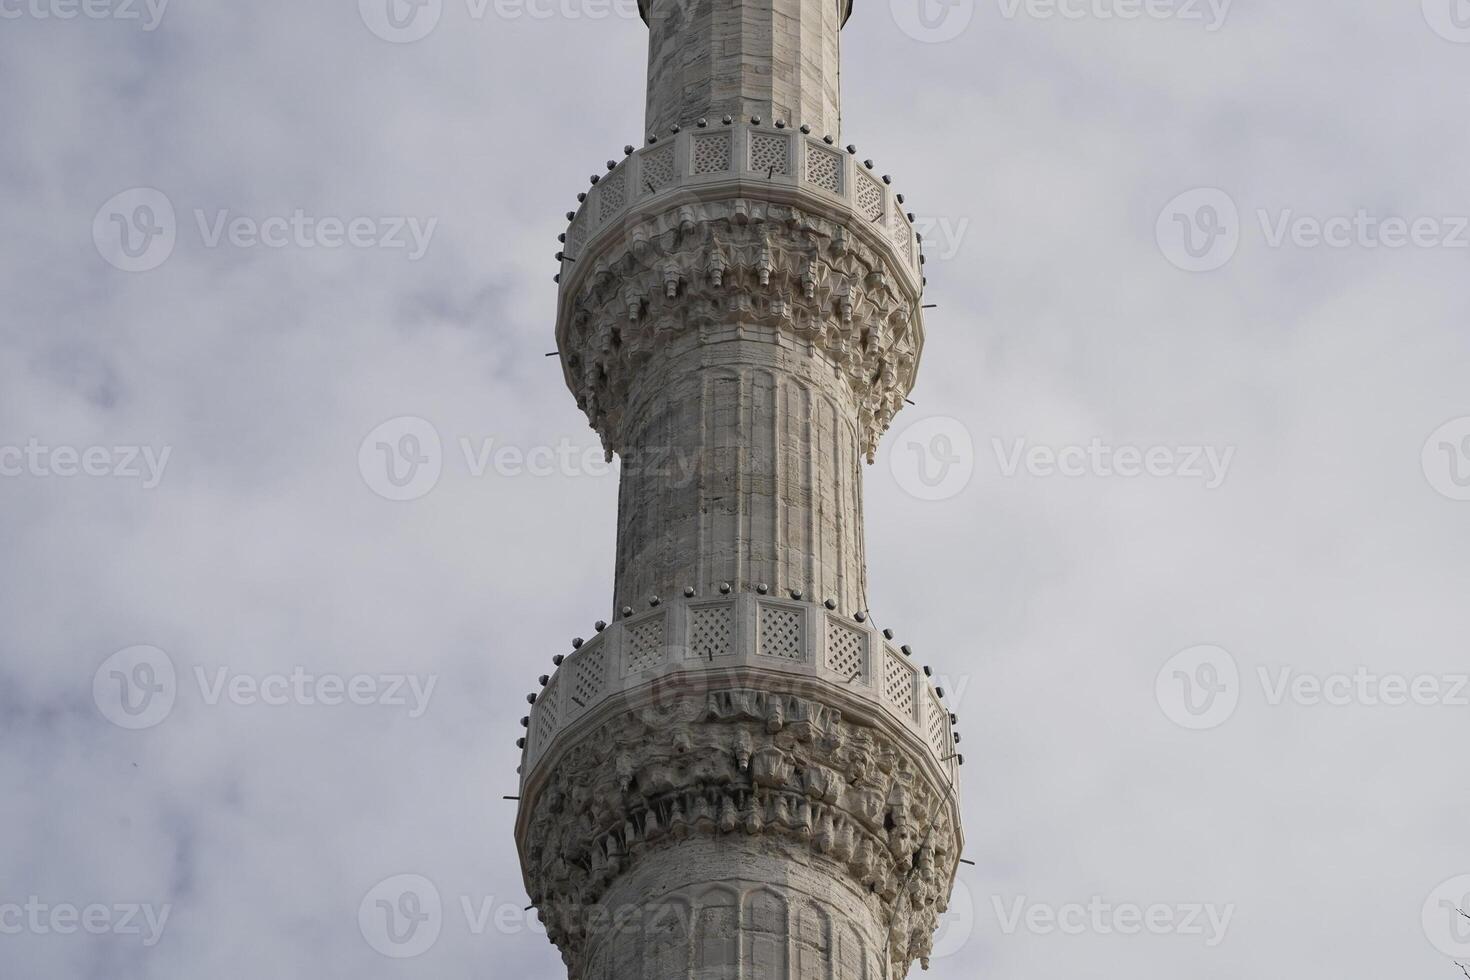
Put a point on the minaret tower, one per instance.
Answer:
(740, 777)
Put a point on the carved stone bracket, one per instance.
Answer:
(747, 762)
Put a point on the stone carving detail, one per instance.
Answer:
(612, 194)
(546, 714)
(712, 153)
(658, 169)
(710, 632)
(780, 633)
(740, 263)
(770, 154)
(664, 939)
(939, 735)
(645, 646)
(591, 676)
(717, 934)
(851, 958)
(813, 941)
(901, 234)
(898, 683)
(845, 651)
(869, 196)
(669, 940)
(766, 934)
(824, 168)
(750, 762)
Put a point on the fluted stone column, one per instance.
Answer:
(742, 466)
(777, 59)
(738, 777)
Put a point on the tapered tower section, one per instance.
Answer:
(740, 777)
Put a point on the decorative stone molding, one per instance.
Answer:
(741, 761)
(748, 264)
(745, 227)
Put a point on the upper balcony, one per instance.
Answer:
(745, 159)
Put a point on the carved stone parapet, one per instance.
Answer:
(699, 643)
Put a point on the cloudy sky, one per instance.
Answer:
(1232, 235)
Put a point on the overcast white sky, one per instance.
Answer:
(1045, 151)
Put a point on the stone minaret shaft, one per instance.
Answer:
(740, 777)
(777, 60)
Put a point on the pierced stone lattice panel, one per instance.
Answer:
(612, 194)
(546, 715)
(898, 683)
(869, 196)
(643, 646)
(710, 632)
(824, 168)
(780, 633)
(712, 153)
(845, 654)
(770, 154)
(590, 677)
(658, 169)
(902, 234)
(939, 735)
